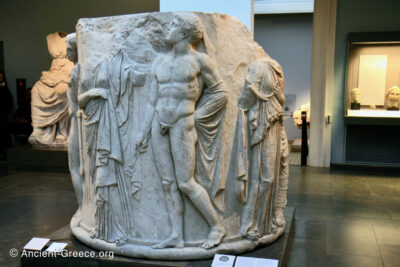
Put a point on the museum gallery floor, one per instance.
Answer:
(342, 218)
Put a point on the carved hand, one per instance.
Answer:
(84, 98)
(253, 126)
(99, 92)
(253, 120)
(141, 143)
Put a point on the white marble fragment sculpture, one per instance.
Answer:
(393, 98)
(355, 98)
(297, 115)
(49, 103)
(177, 148)
(355, 95)
(261, 119)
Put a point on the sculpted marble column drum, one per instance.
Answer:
(177, 148)
(49, 102)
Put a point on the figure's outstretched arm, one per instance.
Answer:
(279, 80)
(247, 98)
(84, 98)
(252, 83)
(213, 84)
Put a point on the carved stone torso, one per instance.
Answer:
(179, 86)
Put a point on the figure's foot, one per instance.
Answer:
(121, 242)
(279, 218)
(174, 241)
(244, 229)
(252, 235)
(61, 138)
(77, 218)
(33, 140)
(94, 233)
(215, 237)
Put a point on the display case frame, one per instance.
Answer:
(372, 44)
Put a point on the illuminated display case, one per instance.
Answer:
(373, 76)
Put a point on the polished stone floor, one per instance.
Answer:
(32, 204)
(342, 218)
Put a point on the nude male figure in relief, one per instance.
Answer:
(178, 80)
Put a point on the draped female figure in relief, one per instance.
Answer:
(104, 112)
(266, 162)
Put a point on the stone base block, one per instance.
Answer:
(276, 250)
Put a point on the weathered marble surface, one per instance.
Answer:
(355, 95)
(297, 115)
(355, 98)
(49, 102)
(393, 98)
(177, 148)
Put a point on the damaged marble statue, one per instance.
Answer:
(50, 120)
(166, 160)
(264, 149)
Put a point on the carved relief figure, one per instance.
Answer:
(186, 97)
(49, 105)
(392, 98)
(103, 117)
(267, 166)
(75, 157)
(297, 115)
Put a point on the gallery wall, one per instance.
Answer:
(288, 39)
(355, 16)
(25, 25)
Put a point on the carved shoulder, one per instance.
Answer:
(156, 63)
(209, 70)
(205, 61)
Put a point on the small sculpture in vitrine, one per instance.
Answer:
(392, 98)
(355, 98)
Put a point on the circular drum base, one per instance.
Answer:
(186, 253)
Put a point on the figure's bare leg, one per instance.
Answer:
(165, 166)
(183, 139)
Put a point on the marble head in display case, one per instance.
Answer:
(297, 115)
(49, 105)
(177, 148)
(355, 98)
(393, 98)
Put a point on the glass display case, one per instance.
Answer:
(373, 76)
